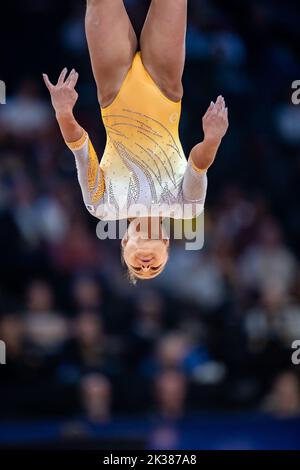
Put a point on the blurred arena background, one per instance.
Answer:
(200, 358)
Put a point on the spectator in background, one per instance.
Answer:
(170, 389)
(90, 349)
(23, 198)
(284, 398)
(87, 293)
(178, 351)
(27, 114)
(237, 218)
(71, 255)
(202, 282)
(148, 323)
(275, 317)
(268, 261)
(170, 352)
(96, 398)
(288, 123)
(46, 329)
(52, 219)
(38, 217)
(90, 341)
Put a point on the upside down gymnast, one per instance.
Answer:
(143, 174)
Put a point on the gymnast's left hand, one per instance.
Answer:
(215, 122)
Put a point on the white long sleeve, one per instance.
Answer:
(90, 175)
(194, 184)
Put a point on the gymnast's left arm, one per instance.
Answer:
(215, 126)
(202, 156)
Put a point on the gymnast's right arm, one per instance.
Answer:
(90, 175)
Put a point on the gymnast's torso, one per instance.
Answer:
(143, 170)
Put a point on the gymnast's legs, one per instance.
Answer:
(163, 45)
(112, 45)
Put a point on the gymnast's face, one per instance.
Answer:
(145, 248)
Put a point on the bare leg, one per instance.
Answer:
(112, 44)
(163, 45)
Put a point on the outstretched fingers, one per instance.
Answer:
(210, 108)
(220, 105)
(72, 79)
(62, 77)
(48, 84)
(218, 108)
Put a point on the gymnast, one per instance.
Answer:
(143, 174)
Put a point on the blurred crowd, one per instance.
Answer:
(215, 330)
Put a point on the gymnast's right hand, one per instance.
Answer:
(63, 94)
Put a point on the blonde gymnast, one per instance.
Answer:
(143, 174)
